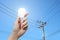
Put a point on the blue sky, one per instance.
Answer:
(49, 10)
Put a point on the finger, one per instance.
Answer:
(25, 14)
(19, 23)
(25, 23)
(18, 20)
(16, 24)
(25, 27)
(24, 19)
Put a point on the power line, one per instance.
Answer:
(7, 11)
(10, 15)
(6, 14)
(12, 10)
(8, 7)
(50, 12)
(53, 15)
(49, 19)
(57, 31)
(52, 9)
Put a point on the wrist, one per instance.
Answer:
(13, 36)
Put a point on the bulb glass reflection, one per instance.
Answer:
(21, 12)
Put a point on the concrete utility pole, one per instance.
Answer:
(42, 25)
(43, 32)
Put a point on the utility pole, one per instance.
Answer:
(42, 25)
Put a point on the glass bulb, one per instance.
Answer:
(21, 12)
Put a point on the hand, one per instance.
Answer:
(20, 28)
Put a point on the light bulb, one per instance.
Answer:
(21, 12)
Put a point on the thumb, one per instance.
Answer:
(19, 23)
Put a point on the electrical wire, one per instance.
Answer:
(54, 33)
(9, 12)
(51, 16)
(8, 7)
(14, 11)
(51, 11)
